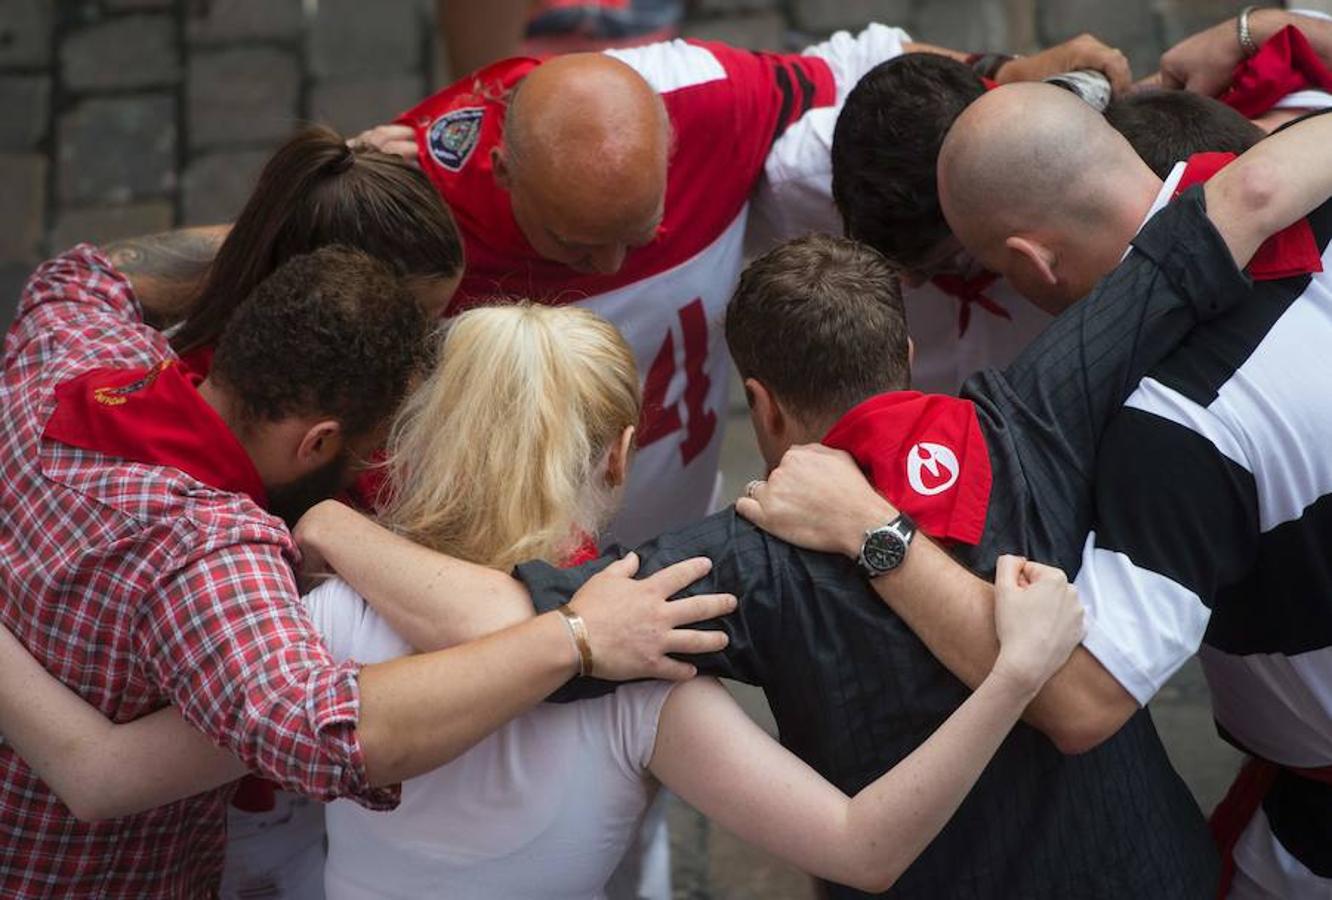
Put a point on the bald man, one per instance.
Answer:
(1211, 521)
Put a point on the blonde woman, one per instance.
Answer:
(514, 449)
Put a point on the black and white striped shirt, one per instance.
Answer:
(1213, 535)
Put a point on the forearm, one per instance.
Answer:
(420, 712)
(1279, 181)
(1263, 23)
(101, 770)
(432, 600)
(916, 47)
(167, 269)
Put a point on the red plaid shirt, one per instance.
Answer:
(139, 587)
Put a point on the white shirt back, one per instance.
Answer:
(544, 807)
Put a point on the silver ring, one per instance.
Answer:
(751, 487)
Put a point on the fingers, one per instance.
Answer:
(625, 566)
(688, 610)
(1007, 570)
(751, 509)
(1037, 572)
(674, 670)
(690, 640)
(1116, 68)
(673, 579)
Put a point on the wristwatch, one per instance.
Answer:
(885, 547)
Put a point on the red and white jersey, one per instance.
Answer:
(727, 107)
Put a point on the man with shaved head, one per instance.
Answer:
(1212, 485)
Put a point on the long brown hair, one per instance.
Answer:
(314, 192)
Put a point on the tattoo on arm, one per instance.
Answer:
(167, 269)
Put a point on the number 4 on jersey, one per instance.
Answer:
(660, 420)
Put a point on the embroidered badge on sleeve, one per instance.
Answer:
(453, 136)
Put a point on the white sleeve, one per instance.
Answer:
(794, 196)
(636, 711)
(349, 627)
(1141, 625)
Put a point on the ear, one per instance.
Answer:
(617, 463)
(499, 164)
(766, 412)
(911, 353)
(1035, 257)
(321, 443)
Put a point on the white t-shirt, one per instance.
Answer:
(544, 807)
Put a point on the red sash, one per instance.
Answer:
(1291, 251)
(926, 454)
(1283, 65)
(154, 416)
(971, 291)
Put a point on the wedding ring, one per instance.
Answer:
(751, 487)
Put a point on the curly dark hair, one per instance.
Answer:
(886, 147)
(331, 333)
(820, 322)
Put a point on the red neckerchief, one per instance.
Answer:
(971, 291)
(199, 360)
(1291, 251)
(1283, 65)
(926, 454)
(586, 551)
(154, 416)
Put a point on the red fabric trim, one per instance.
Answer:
(154, 416)
(971, 291)
(1286, 63)
(990, 83)
(586, 551)
(1290, 252)
(927, 455)
(255, 794)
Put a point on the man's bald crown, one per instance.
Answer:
(589, 122)
(1026, 157)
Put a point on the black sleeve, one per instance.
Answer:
(1044, 415)
(743, 562)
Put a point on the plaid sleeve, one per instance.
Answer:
(227, 639)
(79, 283)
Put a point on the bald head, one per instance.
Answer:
(1034, 162)
(585, 154)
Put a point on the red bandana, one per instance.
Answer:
(926, 454)
(971, 291)
(153, 416)
(1290, 252)
(1283, 65)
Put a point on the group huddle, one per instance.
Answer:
(307, 593)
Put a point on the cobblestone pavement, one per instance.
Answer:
(122, 117)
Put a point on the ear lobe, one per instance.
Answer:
(617, 464)
(321, 442)
(1035, 257)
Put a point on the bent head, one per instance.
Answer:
(815, 327)
(1166, 127)
(1042, 190)
(316, 192)
(884, 154)
(311, 367)
(584, 159)
(516, 446)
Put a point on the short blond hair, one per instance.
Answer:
(498, 457)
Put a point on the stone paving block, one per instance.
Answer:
(23, 185)
(12, 277)
(130, 52)
(115, 148)
(100, 224)
(1181, 18)
(761, 31)
(353, 106)
(350, 38)
(970, 25)
(26, 101)
(242, 95)
(137, 5)
(704, 8)
(25, 32)
(233, 20)
(823, 16)
(216, 185)
(1130, 25)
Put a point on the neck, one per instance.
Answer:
(228, 410)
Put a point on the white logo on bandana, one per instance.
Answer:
(931, 468)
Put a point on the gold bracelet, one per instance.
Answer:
(578, 631)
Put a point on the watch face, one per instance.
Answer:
(883, 550)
